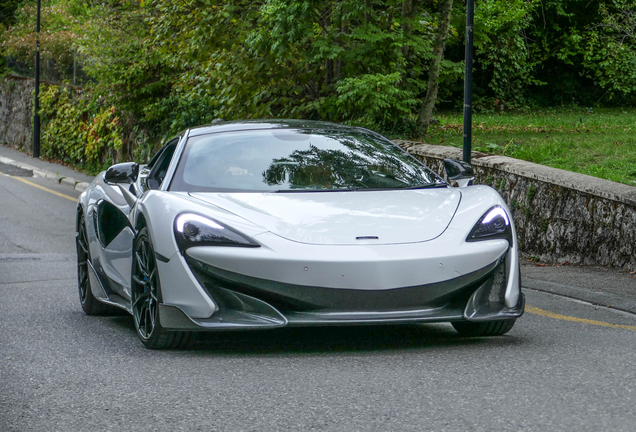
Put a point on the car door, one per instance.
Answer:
(115, 235)
(113, 222)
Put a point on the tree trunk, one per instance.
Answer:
(409, 10)
(329, 64)
(344, 32)
(426, 113)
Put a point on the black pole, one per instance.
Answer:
(36, 104)
(468, 80)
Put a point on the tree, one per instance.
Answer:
(8, 9)
(611, 47)
(342, 61)
(57, 38)
(426, 112)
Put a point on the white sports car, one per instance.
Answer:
(266, 224)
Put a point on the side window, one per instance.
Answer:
(160, 164)
(156, 156)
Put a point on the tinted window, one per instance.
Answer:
(162, 163)
(288, 160)
(156, 156)
(110, 222)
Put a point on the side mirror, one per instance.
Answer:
(122, 173)
(459, 171)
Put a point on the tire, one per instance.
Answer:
(490, 328)
(146, 296)
(89, 302)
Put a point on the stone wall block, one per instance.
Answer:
(16, 106)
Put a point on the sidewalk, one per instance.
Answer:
(41, 168)
(603, 286)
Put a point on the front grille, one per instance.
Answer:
(498, 289)
(284, 297)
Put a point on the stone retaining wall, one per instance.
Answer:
(16, 106)
(560, 216)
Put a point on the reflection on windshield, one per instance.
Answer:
(304, 160)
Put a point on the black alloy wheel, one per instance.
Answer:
(146, 296)
(90, 304)
(489, 328)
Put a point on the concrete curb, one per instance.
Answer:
(599, 298)
(38, 172)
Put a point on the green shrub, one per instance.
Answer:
(78, 130)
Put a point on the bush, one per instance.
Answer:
(78, 129)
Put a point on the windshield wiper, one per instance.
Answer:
(428, 186)
(363, 189)
(308, 190)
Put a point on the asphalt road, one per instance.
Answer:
(567, 365)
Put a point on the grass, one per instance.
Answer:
(598, 142)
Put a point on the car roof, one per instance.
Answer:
(232, 126)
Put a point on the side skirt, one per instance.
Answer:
(100, 292)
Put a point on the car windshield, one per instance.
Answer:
(285, 160)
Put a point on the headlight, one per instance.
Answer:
(194, 230)
(494, 224)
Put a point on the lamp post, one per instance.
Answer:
(468, 80)
(36, 104)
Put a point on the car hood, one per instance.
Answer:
(345, 217)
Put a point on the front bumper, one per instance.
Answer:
(247, 302)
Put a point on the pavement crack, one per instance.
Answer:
(12, 259)
(12, 243)
(36, 281)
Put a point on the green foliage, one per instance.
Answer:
(207, 43)
(57, 36)
(610, 56)
(117, 50)
(61, 137)
(501, 49)
(556, 41)
(548, 52)
(79, 130)
(375, 98)
(298, 58)
(175, 113)
(8, 9)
